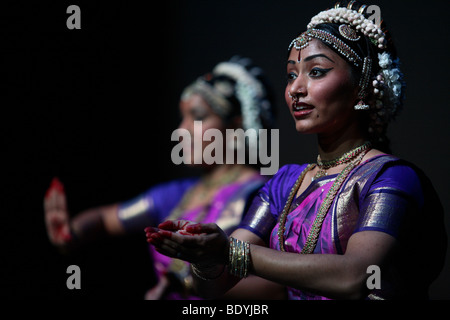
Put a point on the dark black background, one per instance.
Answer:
(97, 106)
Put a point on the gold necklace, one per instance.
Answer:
(208, 183)
(313, 235)
(178, 267)
(212, 183)
(345, 158)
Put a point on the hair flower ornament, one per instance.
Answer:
(390, 79)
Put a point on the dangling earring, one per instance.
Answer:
(361, 105)
(363, 83)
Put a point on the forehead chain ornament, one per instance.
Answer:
(303, 40)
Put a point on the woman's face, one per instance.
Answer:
(323, 89)
(195, 108)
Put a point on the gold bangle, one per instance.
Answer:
(239, 258)
(198, 273)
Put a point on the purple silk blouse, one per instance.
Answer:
(154, 206)
(382, 194)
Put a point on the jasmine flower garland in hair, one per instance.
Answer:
(353, 18)
(249, 90)
(393, 81)
(389, 93)
(384, 60)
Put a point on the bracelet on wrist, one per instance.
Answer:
(239, 258)
(201, 273)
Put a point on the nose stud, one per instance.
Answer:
(294, 96)
(290, 95)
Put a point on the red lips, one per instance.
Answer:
(301, 109)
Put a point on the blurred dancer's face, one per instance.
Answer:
(320, 91)
(195, 108)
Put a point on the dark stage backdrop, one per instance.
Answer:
(97, 106)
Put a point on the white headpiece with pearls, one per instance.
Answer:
(353, 18)
(388, 84)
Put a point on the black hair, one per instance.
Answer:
(365, 48)
(268, 110)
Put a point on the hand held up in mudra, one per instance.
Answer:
(56, 215)
(202, 244)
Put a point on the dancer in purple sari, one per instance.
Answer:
(376, 196)
(220, 195)
(359, 223)
(225, 209)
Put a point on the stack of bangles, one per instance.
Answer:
(239, 258)
(238, 261)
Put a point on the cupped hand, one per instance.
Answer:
(203, 244)
(56, 214)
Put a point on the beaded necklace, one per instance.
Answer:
(208, 184)
(177, 267)
(345, 158)
(313, 235)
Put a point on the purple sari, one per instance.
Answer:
(382, 194)
(155, 206)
